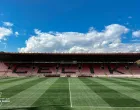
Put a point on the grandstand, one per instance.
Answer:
(69, 65)
(66, 81)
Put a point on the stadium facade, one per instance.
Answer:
(69, 64)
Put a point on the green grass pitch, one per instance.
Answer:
(36, 93)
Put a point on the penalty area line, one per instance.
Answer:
(70, 93)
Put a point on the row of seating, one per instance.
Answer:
(79, 69)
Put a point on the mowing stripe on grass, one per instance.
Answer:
(105, 108)
(133, 85)
(131, 93)
(27, 97)
(20, 81)
(112, 97)
(83, 96)
(56, 95)
(6, 79)
(130, 79)
(11, 80)
(21, 87)
(135, 82)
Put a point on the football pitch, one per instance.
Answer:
(34, 93)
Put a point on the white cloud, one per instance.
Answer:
(4, 32)
(8, 24)
(108, 40)
(16, 34)
(136, 33)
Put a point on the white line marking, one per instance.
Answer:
(70, 94)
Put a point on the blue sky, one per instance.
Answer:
(70, 25)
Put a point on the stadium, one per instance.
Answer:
(70, 81)
(69, 55)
